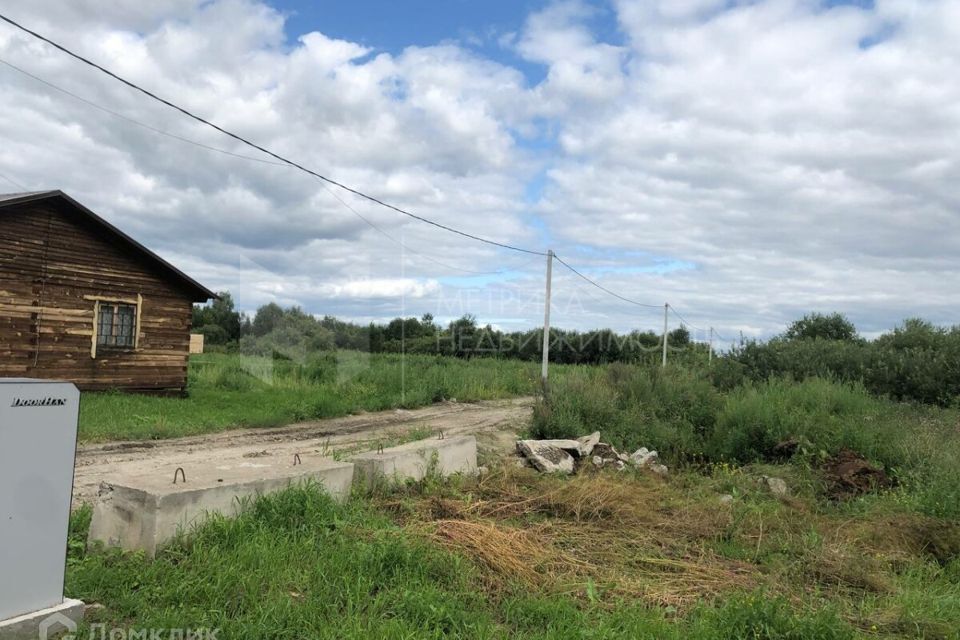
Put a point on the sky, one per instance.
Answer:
(746, 161)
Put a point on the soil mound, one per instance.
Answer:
(848, 474)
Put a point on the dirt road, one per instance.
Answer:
(494, 423)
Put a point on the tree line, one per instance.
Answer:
(292, 333)
(916, 361)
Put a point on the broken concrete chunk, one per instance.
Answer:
(597, 461)
(587, 443)
(657, 468)
(726, 499)
(605, 451)
(547, 457)
(642, 457)
(572, 446)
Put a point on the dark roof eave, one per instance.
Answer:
(201, 293)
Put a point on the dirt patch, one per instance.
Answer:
(95, 462)
(848, 474)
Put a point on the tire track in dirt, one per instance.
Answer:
(363, 431)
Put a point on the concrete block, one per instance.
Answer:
(410, 461)
(139, 507)
(45, 624)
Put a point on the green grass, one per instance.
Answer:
(682, 415)
(518, 555)
(231, 391)
(297, 565)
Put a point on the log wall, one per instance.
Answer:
(54, 265)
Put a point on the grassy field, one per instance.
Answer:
(515, 555)
(605, 554)
(230, 391)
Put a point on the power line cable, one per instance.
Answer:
(260, 148)
(137, 122)
(229, 153)
(400, 243)
(603, 288)
(13, 182)
(285, 161)
(684, 320)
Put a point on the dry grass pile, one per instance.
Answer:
(616, 535)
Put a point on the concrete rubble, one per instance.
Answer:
(777, 486)
(546, 456)
(568, 456)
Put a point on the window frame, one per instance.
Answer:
(115, 304)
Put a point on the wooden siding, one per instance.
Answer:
(53, 266)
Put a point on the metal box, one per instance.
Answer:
(38, 441)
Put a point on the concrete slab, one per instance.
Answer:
(410, 461)
(45, 624)
(139, 507)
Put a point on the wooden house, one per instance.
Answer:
(82, 301)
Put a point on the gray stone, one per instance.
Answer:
(546, 457)
(620, 464)
(597, 461)
(587, 443)
(726, 499)
(642, 457)
(657, 468)
(623, 457)
(777, 486)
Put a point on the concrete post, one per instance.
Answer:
(546, 319)
(666, 310)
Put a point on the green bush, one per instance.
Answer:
(917, 361)
(823, 415)
(670, 409)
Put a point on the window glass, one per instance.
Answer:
(116, 325)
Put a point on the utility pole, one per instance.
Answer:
(546, 319)
(666, 310)
(710, 353)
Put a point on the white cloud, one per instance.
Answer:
(799, 157)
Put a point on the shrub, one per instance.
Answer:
(917, 361)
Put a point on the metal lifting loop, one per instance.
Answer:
(296, 459)
(182, 473)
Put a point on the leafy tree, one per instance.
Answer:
(834, 326)
(679, 337)
(221, 314)
(267, 319)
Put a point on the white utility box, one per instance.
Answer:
(38, 441)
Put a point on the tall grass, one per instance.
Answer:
(683, 415)
(227, 391)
